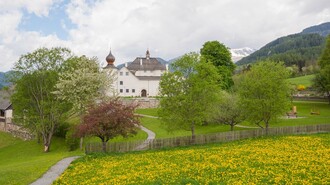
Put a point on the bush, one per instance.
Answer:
(301, 87)
(71, 141)
(62, 130)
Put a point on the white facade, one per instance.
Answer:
(138, 79)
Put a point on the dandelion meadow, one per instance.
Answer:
(303, 159)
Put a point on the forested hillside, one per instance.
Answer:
(295, 49)
(300, 50)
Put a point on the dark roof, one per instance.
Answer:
(149, 64)
(4, 105)
(148, 77)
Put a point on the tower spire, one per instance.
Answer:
(147, 54)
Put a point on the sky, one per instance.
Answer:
(168, 28)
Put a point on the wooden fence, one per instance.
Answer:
(204, 139)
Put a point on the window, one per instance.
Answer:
(121, 91)
(121, 83)
(133, 90)
(127, 73)
(121, 73)
(127, 90)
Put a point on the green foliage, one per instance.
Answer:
(322, 80)
(71, 141)
(296, 49)
(188, 92)
(219, 55)
(36, 107)
(264, 92)
(324, 59)
(228, 111)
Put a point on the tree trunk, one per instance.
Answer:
(267, 126)
(231, 127)
(46, 145)
(81, 143)
(104, 146)
(193, 136)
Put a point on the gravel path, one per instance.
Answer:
(242, 126)
(151, 136)
(55, 171)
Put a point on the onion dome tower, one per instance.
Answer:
(147, 54)
(110, 60)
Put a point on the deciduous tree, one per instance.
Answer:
(264, 92)
(107, 120)
(36, 107)
(188, 93)
(219, 55)
(81, 82)
(228, 111)
(322, 79)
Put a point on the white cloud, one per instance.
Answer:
(168, 28)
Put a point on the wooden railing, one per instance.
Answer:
(204, 139)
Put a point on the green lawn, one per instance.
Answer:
(22, 162)
(302, 80)
(161, 132)
(303, 109)
(150, 112)
(304, 114)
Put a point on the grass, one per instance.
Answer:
(304, 118)
(149, 111)
(161, 132)
(304, 115)
(302, 159)
(302, 80)
(22, 162)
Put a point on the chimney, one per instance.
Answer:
(126, 64)
(166, 65)
(141, 61)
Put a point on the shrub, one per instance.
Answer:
(71, 141)
(301, 87)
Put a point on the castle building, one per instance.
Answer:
(139, 78)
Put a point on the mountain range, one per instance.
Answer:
(237, 54)
(296, 49)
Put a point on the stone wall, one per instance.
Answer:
(143, 103)
(16, 131)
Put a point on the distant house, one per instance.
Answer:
(138, 79)
(6, 112)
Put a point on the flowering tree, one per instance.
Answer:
(107, 120)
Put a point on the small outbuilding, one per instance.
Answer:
(6, 111)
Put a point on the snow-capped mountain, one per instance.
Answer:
(237, 54)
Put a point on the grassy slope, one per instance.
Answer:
(302, 80)
(22, 162)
